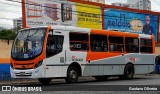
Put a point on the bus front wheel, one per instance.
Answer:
(45, 81)
(72, 75)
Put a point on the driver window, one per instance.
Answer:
(54, 44)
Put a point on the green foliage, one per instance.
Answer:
(7, 35)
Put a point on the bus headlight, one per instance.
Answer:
(38, 64)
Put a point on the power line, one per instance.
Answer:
(60, 8)
(16, 12)
(84, 5)
(5, 18)
(73, 11)
(10, 4)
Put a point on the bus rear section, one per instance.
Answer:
(70, 52)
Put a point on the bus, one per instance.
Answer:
(70, 52)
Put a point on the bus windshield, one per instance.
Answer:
(28, 43)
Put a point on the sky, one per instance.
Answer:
(10, 10)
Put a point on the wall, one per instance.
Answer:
(157, 50)
(5, 49)
(5, 52)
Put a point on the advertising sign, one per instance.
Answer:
(126, 21)
(89, 16)
(49, 12)
(61, 12)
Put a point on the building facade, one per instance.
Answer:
(17, 23)
(136, 4)
(121, 4)
(97, 1)
(140, 4)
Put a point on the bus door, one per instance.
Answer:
(55, 55)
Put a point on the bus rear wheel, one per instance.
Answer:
(45, 81)
(129, 72)
(72, 75)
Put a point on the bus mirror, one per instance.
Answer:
(51, 32)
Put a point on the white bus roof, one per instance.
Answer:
(86, 30)
(71, 28)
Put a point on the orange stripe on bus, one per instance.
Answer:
(114, 33)
(101, 55)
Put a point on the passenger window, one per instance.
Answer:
(146, 46)
(54, 44)
(116, 44)
(98, 43)
(78, 41)
(132, 45)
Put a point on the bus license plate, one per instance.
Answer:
(22, 73)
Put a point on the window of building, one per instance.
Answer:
(146, 46)
(79, 41)
(132, 45)
(54, 44)
(98, 43)
(116, 44)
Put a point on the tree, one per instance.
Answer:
(7, 35)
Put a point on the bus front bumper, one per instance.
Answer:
(29, 73)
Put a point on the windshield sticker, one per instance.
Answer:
(25, 55)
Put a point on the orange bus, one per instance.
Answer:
(70, 52)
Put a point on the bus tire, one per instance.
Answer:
(128, 72)
(101, 78)
(72, 75)
(45, 81)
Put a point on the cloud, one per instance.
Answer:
(155, 5)
(9, 10)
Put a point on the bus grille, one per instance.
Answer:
(24, 74)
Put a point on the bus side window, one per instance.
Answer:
(146, 46)
(54, 45)
(78, 41)
(116, 44)
(132, 45)
(98, 43)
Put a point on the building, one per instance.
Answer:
(17, 23)
(121, 4)
(98, 1)
(136, 4)
(140, 4)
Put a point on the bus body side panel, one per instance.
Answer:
(115, 65)
(145, 63)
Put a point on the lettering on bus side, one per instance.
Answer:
(73, 58)
(132, 59)
(76, 59)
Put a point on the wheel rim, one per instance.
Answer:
(130, 72)
(73, 75)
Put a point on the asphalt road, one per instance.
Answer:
(90, 85)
